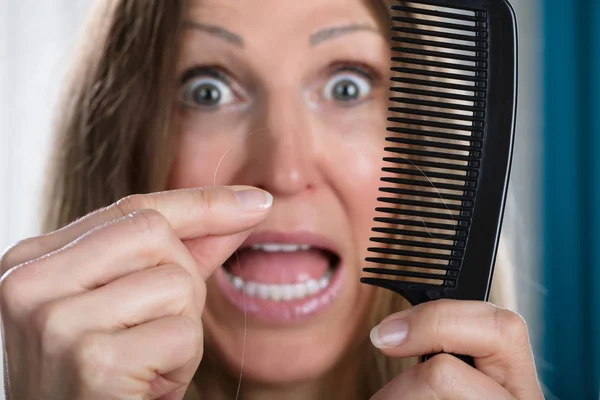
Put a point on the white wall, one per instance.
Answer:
(36, 39)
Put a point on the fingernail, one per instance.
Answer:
(254, 199)
(389, 334)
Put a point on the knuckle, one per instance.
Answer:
(151, 222)
(510, 326)
(9, 257)
(441, 307)
(130, 204)
(180, 281)
(190, 332)
(208, 199)
(440, 374)
(14, 293)
(94, 360)
(15, 254)
(50, 323)
(437, 315)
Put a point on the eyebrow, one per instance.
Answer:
(217, 31)
(315, 39)
(337, 31)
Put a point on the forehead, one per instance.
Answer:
(278, 17)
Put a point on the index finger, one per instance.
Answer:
(190, 212)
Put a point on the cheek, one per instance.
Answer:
(354, 160)
(207, 151)
(357, 157)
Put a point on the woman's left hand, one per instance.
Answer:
(496, 338)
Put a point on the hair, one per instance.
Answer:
(113, 139)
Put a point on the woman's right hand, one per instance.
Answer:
(110, 306)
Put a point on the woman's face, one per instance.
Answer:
(288, 96)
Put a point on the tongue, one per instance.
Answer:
(279, 267)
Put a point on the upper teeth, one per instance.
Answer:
(275, 247)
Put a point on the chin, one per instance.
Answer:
(287, 363)
(298, 299)
(284, 352)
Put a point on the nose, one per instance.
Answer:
(282, 150)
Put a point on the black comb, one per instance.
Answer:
(452, 115)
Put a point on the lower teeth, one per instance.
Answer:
(285, 292)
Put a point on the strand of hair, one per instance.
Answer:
(431, 164)
(462, 221)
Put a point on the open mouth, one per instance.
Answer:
(283, 277)
(282, 272)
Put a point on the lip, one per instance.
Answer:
(285, 311)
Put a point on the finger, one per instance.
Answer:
(159, 292)
(443, 377)
(496, 338)
(149, 360)
(190, 212)
(139, 241)
(142, 239)
(211, 252)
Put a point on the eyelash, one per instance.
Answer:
(218, 72)
(358, 68)
(214, 71)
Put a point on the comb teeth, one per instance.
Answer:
(437, 117)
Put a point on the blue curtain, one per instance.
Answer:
(571, 341)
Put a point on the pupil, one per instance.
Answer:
(346, 90)
(207, 94)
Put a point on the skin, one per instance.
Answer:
(280, 133)
(118, 304)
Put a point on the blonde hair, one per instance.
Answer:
(113, 139)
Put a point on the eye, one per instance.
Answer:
(205, 91)
(348, 87)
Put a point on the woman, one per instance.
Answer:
(145, 298)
